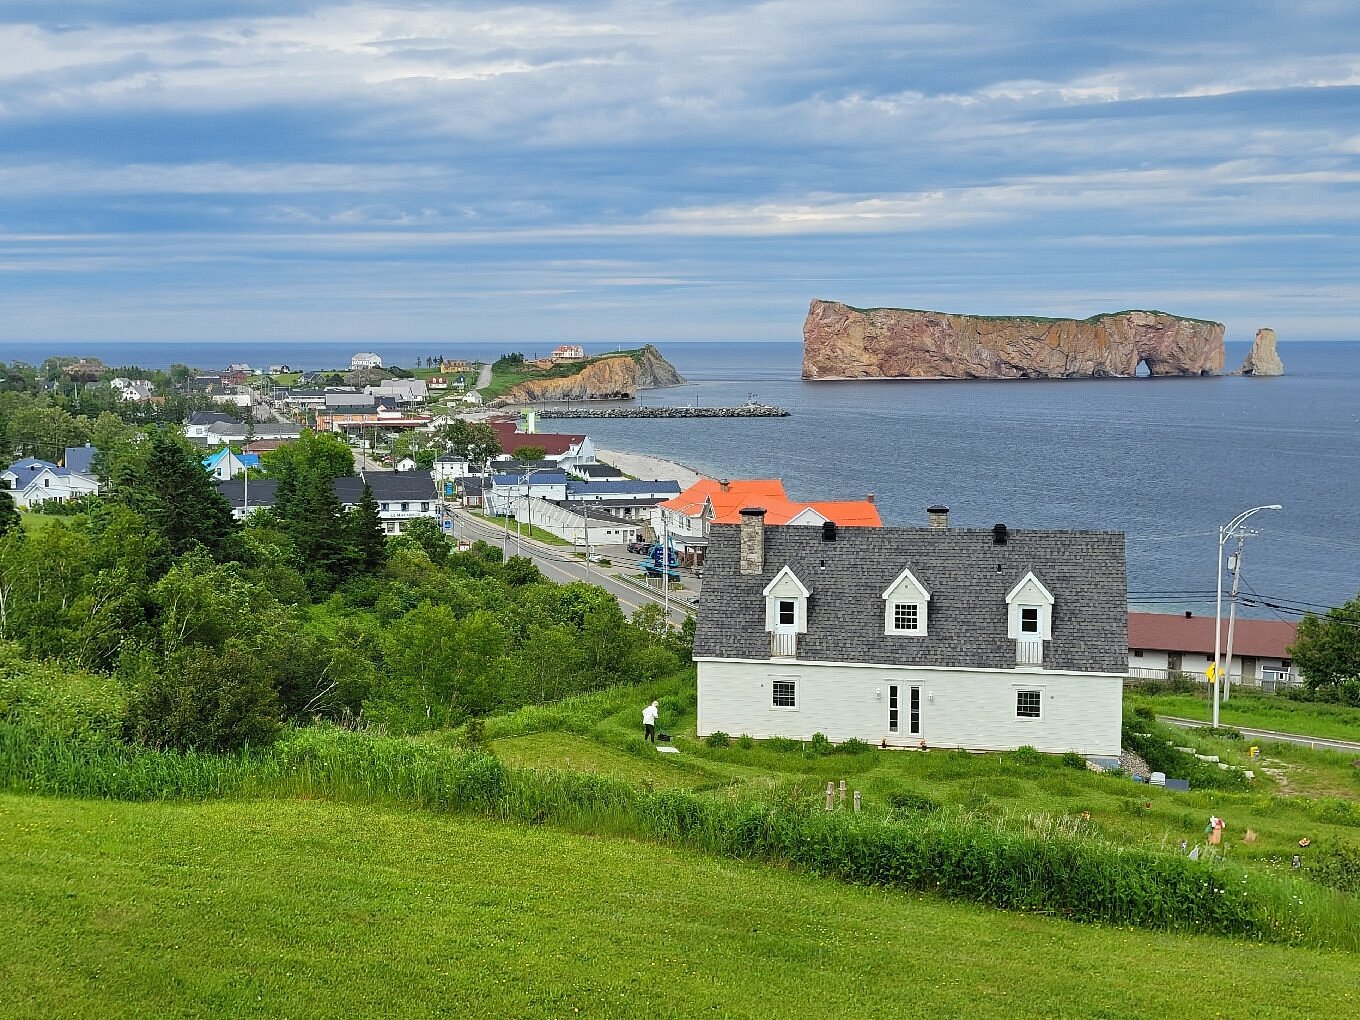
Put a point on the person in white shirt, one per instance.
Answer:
(649, 715)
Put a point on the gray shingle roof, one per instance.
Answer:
(968, 578)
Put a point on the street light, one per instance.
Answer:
(1227, 531)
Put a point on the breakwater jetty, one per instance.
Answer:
(751, 410)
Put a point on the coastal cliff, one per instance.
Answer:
(841, 342)
(1263, 359)
(610, 377)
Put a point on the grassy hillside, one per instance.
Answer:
(313, 909)
(1261, 711)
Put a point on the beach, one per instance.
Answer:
(640, 465)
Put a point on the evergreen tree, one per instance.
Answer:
(9, 517)
(174, 492)
(366, 533)
(316, 523)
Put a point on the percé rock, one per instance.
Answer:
(610, 377)
(841, 342)
(1263, 358)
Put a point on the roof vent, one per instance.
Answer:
(999, 534)
(828, 531)
(1188, 614)
(938, 516)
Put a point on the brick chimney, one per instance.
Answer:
(752, 559)
(938, 516)
(724, 485)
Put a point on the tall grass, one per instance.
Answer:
(1048, 868)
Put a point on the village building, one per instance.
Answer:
(33, 482)
(983, 639)
(402, 496)
(568, 352)
(365, 360)
(687, 517)
(224, 464)
(1163, 645)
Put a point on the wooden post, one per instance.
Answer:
(842, 799)
(830, 795)
(856, 800)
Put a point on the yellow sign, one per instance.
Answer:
(1212, 671)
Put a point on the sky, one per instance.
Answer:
(645, 170)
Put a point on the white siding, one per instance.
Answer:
(974, 710)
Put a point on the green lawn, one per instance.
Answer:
(1298, 793)
(312, 909)
(1262, 711)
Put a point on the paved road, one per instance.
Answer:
(1324, 743)
(559, 564)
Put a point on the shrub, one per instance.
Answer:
(852, 746)
(717, 739)
(1073, 760)
(780, 744)
(746, 742)
(819, 745)
(205, 700)
(72, 703)
(1222, 732)
(1337, 866)
(908, 802)
(1026, 757)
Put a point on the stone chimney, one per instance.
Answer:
(752, 560)
(938, 516)
(724, 485)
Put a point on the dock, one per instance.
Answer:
(749, 410)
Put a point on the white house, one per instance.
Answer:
(135, 390)
(401, 496)
(404, 391)
(1161, 644)
(54, 483)
(365, 360)
(981, 639)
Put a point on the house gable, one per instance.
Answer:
(905, 606)
(1029, 610)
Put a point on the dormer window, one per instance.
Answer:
(1029, 619)
(904, 606)
(786, 603)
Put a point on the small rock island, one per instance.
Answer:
(842, 342)
(1263, 359)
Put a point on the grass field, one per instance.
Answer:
(312, 909)
(1262, 711)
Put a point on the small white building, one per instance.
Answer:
(365, 360)
(904, 637)
(54, 484)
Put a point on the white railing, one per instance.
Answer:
(1029, 652)
(783, 645)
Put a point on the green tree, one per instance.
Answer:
(424, 531)
(173, 492)
(475, 443)
(1327, 648)
(365, 533)
(525, 454)
(9, 515)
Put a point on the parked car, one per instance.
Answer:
(641, 548)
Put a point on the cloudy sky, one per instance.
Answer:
(300, 169)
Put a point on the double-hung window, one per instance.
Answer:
(906, 616)
(788, 612)
(1029, 619)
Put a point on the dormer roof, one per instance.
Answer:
(786, 574)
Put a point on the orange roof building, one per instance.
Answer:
(686, 518)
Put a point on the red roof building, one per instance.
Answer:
(1165, 643)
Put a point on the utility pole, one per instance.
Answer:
(1235, 565)
(1226, 532)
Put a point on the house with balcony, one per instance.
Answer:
(1162, 645)
(984, 639)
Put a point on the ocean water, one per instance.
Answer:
(1164, 460)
